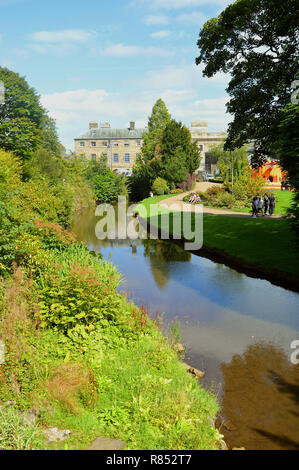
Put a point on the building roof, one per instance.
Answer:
(109, 133)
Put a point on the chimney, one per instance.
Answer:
(132, 125)
(105, 125)
(93, 125)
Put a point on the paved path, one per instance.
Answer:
(202, 187)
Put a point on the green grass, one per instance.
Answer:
(146, 399)
(283, 203)
(268, 243)
(120, 378)
(15, 433)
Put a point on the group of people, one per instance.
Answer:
(194, 198)
(263, 206)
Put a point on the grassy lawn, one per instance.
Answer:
(283, 202)
(269, 243)
(265, 242)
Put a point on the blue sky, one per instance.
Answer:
(111, 60)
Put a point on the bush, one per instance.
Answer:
(139, 187)
(246, 187)
(160, 186)
(224, 200)
(78, 290)
(176, 191)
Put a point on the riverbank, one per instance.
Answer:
(79, 357)
(261, 247)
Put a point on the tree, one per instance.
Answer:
(256, 41)
(157, 122)
(168, 151)
(24, 123)
(49, 138)
(179, 156)
(106, 184)
(231, 163)
(21, 115)
(288, 149)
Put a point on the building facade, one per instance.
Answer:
(120, 146)
(205, 141)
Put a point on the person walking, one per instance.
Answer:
(256, 203)
(260, 206)
(253, 205)
(272, 202)
(266, 204)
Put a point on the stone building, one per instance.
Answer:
(205, 141)
(120, 146)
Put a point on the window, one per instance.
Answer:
(115, 158)
(104, 144)
(138, 143)
(127, 144)
(115, 144)
(127, 157)
(200, 147)
(82, 144)
(93, 144)
(93, 155)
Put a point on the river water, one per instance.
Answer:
(236, 328)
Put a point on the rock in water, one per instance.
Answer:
(198, 374)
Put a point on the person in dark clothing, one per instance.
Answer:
(266, 204)
(254, 207)
(272, 201)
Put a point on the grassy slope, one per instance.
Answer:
(269, 243)
(121, 380)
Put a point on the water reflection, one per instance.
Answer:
(161, 253)
(238, 330)
(261, 399)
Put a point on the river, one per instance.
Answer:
(237, 329)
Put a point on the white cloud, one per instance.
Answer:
(62, 36)
(156, 20)
(185, 92)
(59, 50)
(160, 34)
(60, 42)
(195, 17)
(121, 50)
(183, 76)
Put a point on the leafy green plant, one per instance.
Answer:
(160, 186)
